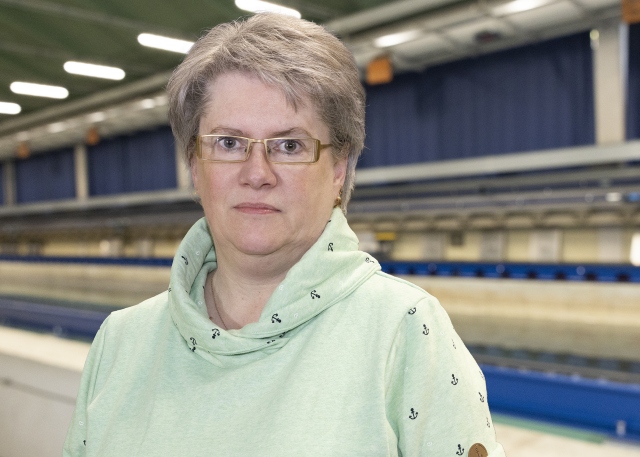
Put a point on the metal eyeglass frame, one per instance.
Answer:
(319, 147)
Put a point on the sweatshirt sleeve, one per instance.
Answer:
(436, 394)
(75, 444)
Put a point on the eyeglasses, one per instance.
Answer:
(228, 148)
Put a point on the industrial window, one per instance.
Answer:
(144, 161)
(46, 176)
(633, 92)
(529, 98)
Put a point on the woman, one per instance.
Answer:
(276, 335)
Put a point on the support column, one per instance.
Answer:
(9, 182)
(82, 174)
(609, 44)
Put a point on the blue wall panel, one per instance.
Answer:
(530, 98)
(144, 161)
(48, 176)
(633, 93)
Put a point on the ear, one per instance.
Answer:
(194, 172)
(339, 171)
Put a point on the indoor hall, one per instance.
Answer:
(500, 173)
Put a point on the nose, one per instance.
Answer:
(256, 170)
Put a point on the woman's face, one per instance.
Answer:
(256, 207)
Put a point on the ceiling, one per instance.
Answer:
(38, 36)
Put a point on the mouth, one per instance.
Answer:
(256, 208)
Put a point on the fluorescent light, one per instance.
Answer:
(164, 43)
(147, 103)
(260, 6)
(635, 249)
(518, 6)
(396, 38)
(95, 71)
(57, 127)
(9, 108)
(98, 116)
(613, 197)
(39, 90)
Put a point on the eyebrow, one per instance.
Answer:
(282, 133)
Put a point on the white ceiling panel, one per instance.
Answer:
(428, 44)
(546, 16)
(597, 4)
(466, 33)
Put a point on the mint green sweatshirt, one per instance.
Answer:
(344, 361)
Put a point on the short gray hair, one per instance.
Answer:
(298, 57)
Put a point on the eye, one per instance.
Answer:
(288, 146)
(228, 142)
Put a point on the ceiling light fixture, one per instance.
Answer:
(9, 108)
(517, 6)
(164, 43)
(95, 71)
(260, 6)
(38, 90)
(396, 38)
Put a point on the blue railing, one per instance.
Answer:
(60, 320)
(560, 271)
(545, 271)
(600, 405)
(131, 261)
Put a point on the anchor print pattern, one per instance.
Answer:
(460, 450)
(426, 329)
(488, 424)
(454, 380)
(169, 289)
(314, 294)
(454, 344)
(481, 397)
(414, 414)
(193, 341)
(186, 262)
(275, 319)
(215, 333)
(330, 248)
(368, 260)
(412, 311)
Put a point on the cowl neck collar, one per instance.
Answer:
(329, 271)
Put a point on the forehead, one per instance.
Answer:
(242, 101)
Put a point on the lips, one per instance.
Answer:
(256, 208)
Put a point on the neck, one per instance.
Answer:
(238, 290)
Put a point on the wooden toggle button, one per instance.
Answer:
(478, 450)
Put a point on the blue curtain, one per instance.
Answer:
(633, 92)
(143, 161)
(529, 98)
(48, 176)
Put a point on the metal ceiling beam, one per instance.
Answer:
(384, 14)
(57, 55)
(109, 96)
(518, 162)
(56, 9)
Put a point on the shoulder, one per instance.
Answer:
(143, 317)
(399, 297)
